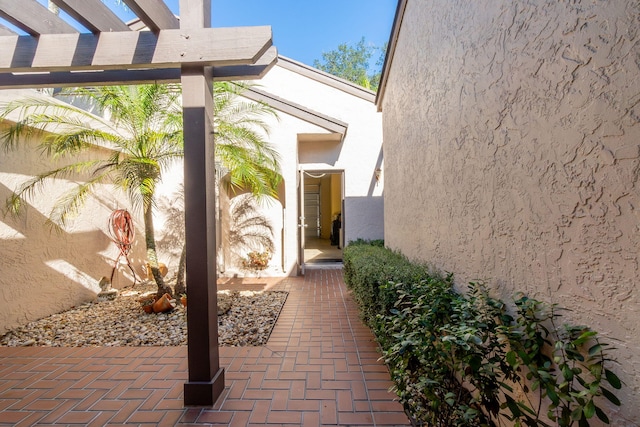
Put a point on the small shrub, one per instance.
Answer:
(456, 359)
(257, 260)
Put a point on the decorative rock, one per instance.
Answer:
(105, 284)
(247, 322)
(106, 293)
(224, 302)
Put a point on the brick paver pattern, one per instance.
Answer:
(320, 367)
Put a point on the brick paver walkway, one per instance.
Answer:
(319, 368)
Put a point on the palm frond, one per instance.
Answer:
(53, 120)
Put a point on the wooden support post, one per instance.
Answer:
(206, 377)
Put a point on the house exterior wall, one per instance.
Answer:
(44, 271)
(512, 154)
(358, 155)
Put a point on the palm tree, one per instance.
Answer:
(239, 127)
(144, 133)
(142, 125)
(242, 151)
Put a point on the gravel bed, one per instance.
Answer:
(122, 322)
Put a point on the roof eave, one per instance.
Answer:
(391, 50)
(326, 78)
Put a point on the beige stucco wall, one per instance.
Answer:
(512, 148)
(359, 154)
(44, 271)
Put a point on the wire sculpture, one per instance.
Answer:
(122, 231)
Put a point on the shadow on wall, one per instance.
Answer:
(376, 174)
(46, 271)
(170, 237)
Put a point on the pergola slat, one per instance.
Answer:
(93, 14)
(89, 78)
(132, 49)
(155, 14)
(131, 77)
(247, 71)
(33, 18)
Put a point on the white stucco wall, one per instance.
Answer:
(359, 155)
(44, 271)
(281, 214)
(512, 151)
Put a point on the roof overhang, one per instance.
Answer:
(391, 50)
(334, 126)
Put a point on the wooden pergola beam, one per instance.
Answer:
(92, 14)
(33, 18)
(134, 49)
(135, 76)
(155, 15)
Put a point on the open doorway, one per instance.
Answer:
(321, 237)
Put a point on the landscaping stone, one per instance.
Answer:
(248, 319)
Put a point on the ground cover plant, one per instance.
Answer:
(470, 359)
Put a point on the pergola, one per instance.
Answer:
(185, 50)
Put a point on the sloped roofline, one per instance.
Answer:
(301, 112)
(326, 78)
(391, 50)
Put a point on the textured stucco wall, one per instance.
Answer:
(512, 148)
(44, 271)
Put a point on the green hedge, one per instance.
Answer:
(463, 360)
(368, 266)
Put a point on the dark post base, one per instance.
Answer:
(198, 393)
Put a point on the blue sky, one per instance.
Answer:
(302, 29)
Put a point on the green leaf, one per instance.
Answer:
(512, 358)
(576, 414)
(565, 417)
(475, 363)
(450, 398)
(506, 387)
(595, 349)
(552, 395)
(610, 397)
(613, 379)
(589, 410)
(602, 416)
(526, 408)
(567, 373)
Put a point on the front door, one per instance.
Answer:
(321, 217)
